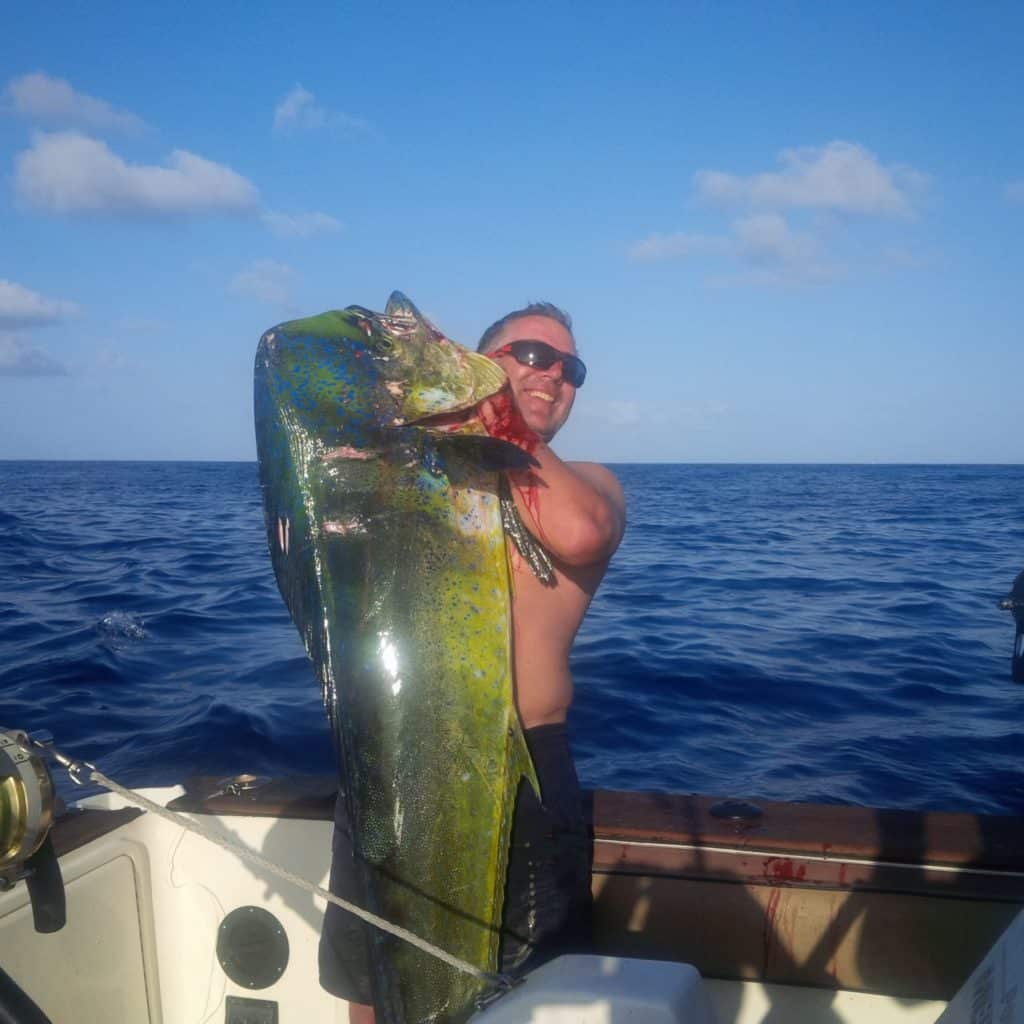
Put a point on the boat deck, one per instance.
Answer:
(811, 913)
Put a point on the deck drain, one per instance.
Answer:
(252, 947)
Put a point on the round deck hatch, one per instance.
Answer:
(252, 947)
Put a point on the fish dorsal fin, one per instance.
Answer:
(400, 305)
(402, 317)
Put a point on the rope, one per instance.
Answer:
(75, 770)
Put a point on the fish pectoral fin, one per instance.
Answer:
(490, 453)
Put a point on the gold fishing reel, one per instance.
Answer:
(26, 800)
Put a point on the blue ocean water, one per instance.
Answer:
(824, 633)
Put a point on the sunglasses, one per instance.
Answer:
(541, 355)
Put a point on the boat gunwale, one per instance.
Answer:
(646, 825)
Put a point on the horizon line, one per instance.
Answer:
(630, 462)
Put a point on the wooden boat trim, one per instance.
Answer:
(815, 830)
(979, 845)
(823, 858)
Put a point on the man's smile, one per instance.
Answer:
(541, 394)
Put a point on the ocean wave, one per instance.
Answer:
(802, 633)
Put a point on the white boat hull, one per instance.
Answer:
(145, 902)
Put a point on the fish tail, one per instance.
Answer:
(520, 767)
(522, 762)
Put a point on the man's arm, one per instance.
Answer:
(576, 509)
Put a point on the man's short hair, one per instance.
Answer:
(548, 309)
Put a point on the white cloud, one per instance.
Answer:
(300, 225)
(42, 98)
(265, 280)
(1015, 191)
(766, 241)
(674, 246)
(66, 172)
(20, 358)
(299, 111)
(842, 177)
(22, 307)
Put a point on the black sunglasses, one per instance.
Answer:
(543, 356)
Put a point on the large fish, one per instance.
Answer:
(382, 509)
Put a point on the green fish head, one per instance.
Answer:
(427, 373)
(360, 371)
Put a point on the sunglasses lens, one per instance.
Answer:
(574, 371)
(543, 357)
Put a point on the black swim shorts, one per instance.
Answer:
(547, 894)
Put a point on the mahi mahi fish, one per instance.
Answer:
(383, 518)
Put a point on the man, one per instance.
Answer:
(577, 511)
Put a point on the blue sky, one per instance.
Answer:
(786, 232)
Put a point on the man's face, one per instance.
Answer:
(543, 396)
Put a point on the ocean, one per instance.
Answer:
(783, 632)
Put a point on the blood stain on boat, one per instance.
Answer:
(782, 869)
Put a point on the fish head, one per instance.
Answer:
(426, 372)
(356, 370)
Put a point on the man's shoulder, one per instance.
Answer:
(596, 473)
(602, 479)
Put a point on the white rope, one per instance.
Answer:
(94, 775)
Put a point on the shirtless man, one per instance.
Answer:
(577, 510)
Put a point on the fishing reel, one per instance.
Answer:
(27, 803)
(1014, 602)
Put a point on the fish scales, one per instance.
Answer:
(387, 545)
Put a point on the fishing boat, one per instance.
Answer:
(789, 912)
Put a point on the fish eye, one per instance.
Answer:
(383, 345)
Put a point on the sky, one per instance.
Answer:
(785, 232)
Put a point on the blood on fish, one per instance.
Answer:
(525, 482)
(508, 424)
